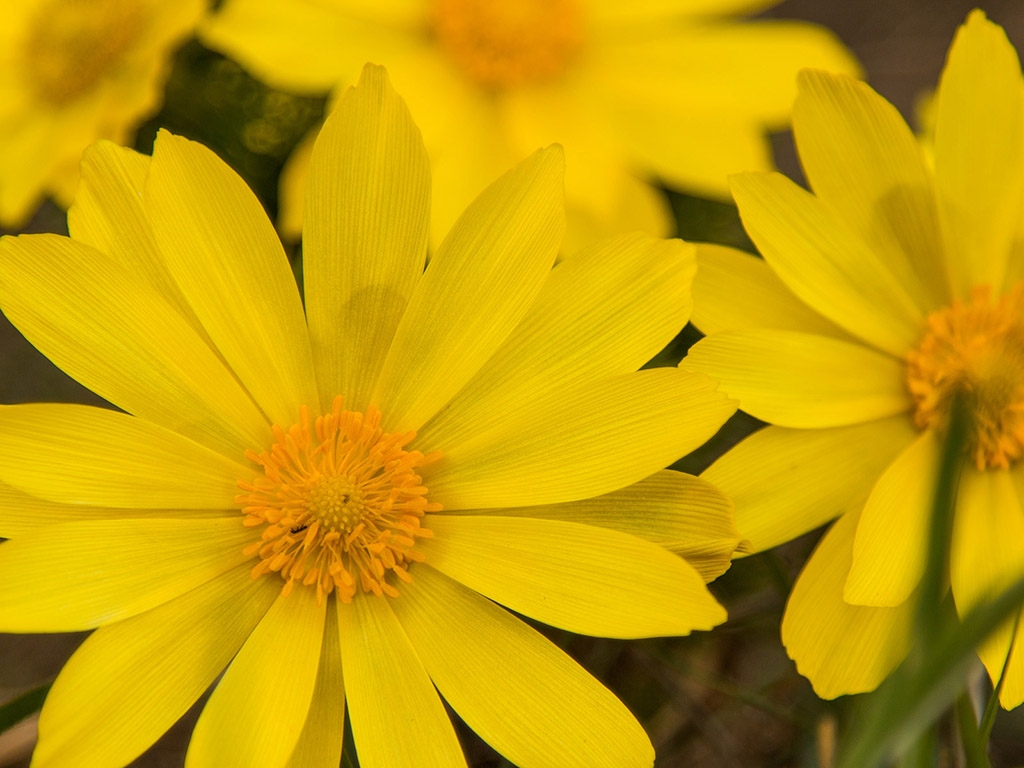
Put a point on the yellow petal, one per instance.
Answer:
(291, 188)
(320, 741)
(861, 158)
(582, 442)
(256, 712)
(224, 254)
(684, 514)
(979, 150)
(397, 717)
(479, 285)
(636, 205)
(523, 695)
(365, 239)
(614, 12)
(734, 291)
(786, 482)
(78, 454)
(841, 648)
(582, 578)
(130, 681)
(607, 310)
(825, 263)
(82, 575)
(986, 557)
(800, 379)
(120, 337)
(891, 547)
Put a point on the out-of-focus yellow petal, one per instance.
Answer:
(582, 578)
(682, 513)
(825, 263)
(291, 187)
(522, 694)
(397, 717)
(78, 454)
(841, 648)
(734, 291)
(82, 575)
(800, 379)
(577, 443)
(365, 239)
(479, 285)
(130, 681)
(320, 741)
(861, 158)
(979, 152)
(615, 12)
(119, 336)
(986, 557)
(786, 482)
(256, 712)
(606, 310)
(225, 256)
(891, 547)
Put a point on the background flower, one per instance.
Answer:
(72, 72)
(891, 288)
(677, 92)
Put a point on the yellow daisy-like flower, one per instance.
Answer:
(327, 502)
(72, 72)
(895, 285)
(665, 89)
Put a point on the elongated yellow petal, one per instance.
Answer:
(825, 263)
(580, 443)
(365, 238)
(986, 557)
(76, 576)
(891, 546)
(614, 13)
(256, 712)
(479, 285)
(516, 689)
(79, 454)
(131, 681)
(582, 578)
(120, 337)
(979, 149)
(841, 648)
(321, 738)
(398, 720)
(607, 310)
(786, 482)
(684, 514)
(802, 380)
(734, 291)
(861, 158)
(223, 252)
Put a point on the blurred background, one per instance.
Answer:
(727, 699)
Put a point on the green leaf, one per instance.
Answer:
(13, 712)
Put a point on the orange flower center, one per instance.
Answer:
(340, 504)
(72, 44)
(500, 44)
(977, 349)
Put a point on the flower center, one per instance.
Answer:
(501, 44)
(72, 44)
(976, 349)
(340, 504)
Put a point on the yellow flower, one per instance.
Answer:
(674, 91)
(476, 431)
(893, 286)
(72, 72)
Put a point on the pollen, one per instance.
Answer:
(502, 44)
(340, 505)
(975, 348)
(71, 45)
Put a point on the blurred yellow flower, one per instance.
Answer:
(892, 287)
(638, 92)
(72, 72)
(476, 431)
